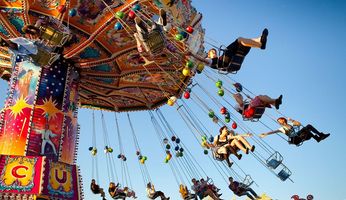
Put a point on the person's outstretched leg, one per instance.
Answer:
(229, 162)
(246, 143)
(250, 196)
(268, 100)
(255, 42)
(259, 42)
(252, 192)
(309, 132)
(161, 195)
(237, 144)
(312, 129)
(233, 151)
(211, 194)
(102, 192)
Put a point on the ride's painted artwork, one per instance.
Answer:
(129, 57)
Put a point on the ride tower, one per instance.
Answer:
(38, 127)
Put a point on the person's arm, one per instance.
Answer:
(245, 135)
(294, 122)
(199, 58)
(215, 143)
(269, 133)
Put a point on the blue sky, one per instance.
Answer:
(304, 61)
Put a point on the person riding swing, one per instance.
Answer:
(96, 189)
(296, 132)
(233, 56)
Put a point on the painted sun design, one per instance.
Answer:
(17, 108)
(49, 108)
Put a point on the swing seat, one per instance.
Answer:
(273, 163)
(53, 36)
(190, 196)
(284, 174)
(155, 42)
(235, 62)
(118, 196)
(258, 112)
(248, 181)
(44, 57)
(298, 141)
(274, 160)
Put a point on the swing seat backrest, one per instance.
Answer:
(274, 160)
(258, 112)
(284, 174)
(273, 163)
(190, 196)
(237, 59)
(155, 42)
(247, 182)
(53, 36)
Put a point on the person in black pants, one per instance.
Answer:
(297, 133)
(115, 192)
(234, 53)
(96, 189)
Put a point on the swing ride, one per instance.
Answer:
(61, 55)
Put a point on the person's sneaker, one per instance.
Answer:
(253, 148)
(264, 38)
(280, 99)
(163, 16)
(278, 102)
(324, 136)
(230, 164)
(318, 139)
